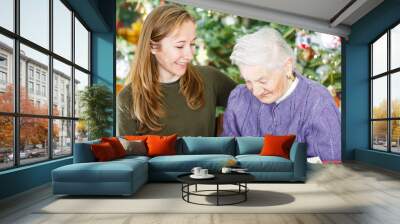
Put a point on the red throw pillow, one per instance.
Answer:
(116, 145)
(103, 151)
(161, 145)
(277, 145)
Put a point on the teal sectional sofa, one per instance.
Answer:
(125, 176)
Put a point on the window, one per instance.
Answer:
(62, 75)
(34, 21)
(44, 91)
(3, 82)
(62, 29)
(7, 74)
(54, 125)
(3, 72)
(7, 14)
(3, 61)
(30, 72)
(81, 45)
(37, 74)
(30, 87)
(43, 77)
(38, 89)
(385, 97)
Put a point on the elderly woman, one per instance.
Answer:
(278, 100)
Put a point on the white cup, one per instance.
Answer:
(226, 170)
(196, 170)
(203, 172)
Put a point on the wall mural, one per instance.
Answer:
(318, 58)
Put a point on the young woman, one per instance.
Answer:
(166, 94)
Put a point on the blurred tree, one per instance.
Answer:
(33, 130)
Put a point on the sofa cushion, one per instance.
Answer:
(257, 163)
(131, 158)
(185, 163)
(249, 145)
(207, 145)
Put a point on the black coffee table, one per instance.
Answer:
(238, 179)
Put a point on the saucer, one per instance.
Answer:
(208, 176)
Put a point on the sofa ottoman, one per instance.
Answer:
(118, 177)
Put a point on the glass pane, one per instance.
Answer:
(395, 47)
(7, 14)
(62, 29)
(33, 140)
(62, 138)
(81, 45)
(34, 97)
(35, 21)
(6, 142)
(81, 81)
(379, 98)
(62, 89)
(379, 55)
(379, 135)
(6, 74)
(395, 136)
(395, 94)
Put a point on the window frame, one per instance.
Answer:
(16, 114)
(388, 74)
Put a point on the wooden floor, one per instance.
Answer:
(377, 188)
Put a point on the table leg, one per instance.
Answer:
(217, 194)
(245, 193)
(196, 188)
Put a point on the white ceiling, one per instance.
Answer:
(318, 15)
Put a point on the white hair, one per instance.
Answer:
(266, 47)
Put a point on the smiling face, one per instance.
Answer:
(175, 51)
(267, 85)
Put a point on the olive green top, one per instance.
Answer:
(180, 119)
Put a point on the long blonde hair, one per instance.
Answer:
(147, 98)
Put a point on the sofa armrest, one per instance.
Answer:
(298, 155)
(83, 152)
